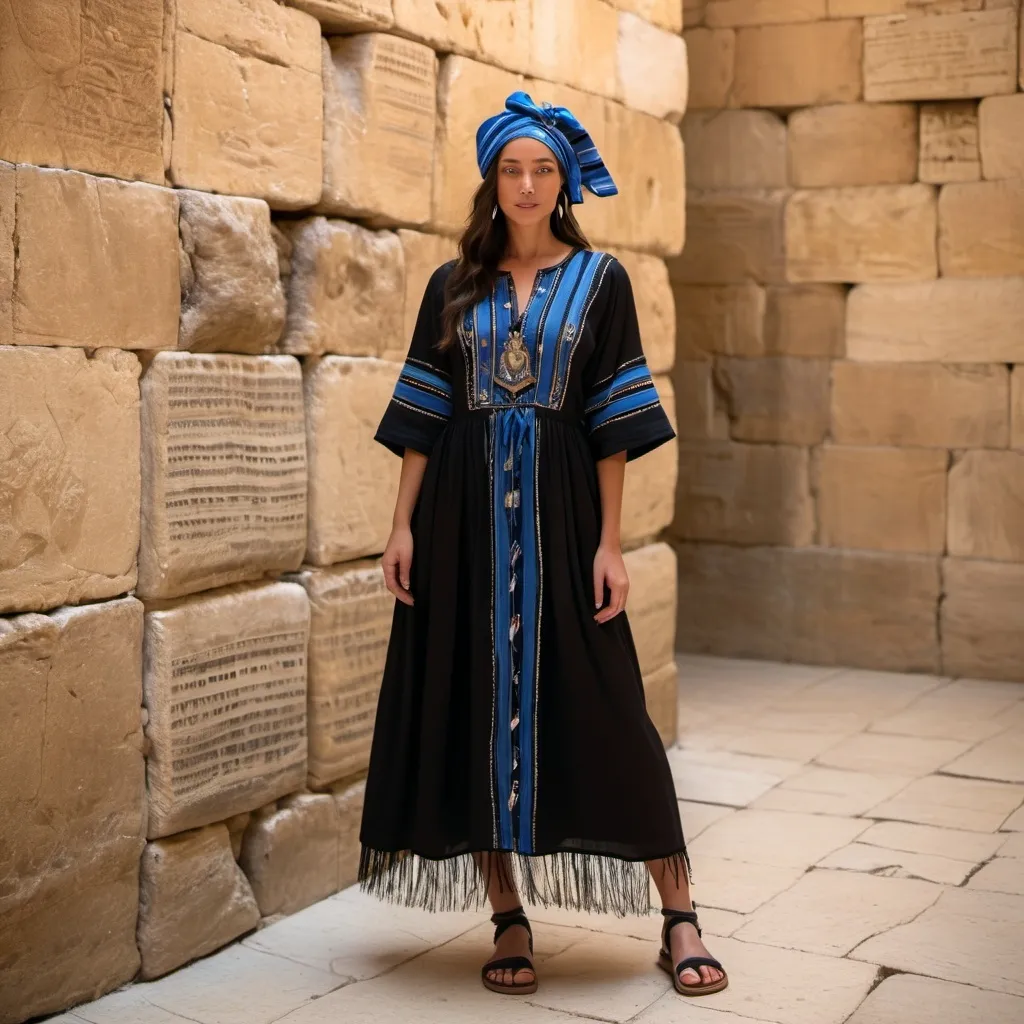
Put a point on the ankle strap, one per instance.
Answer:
(507, 915)
(505, 919)
(680, 917)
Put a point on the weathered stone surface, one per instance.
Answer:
(735, 149)
(949, 320)
(348, 796)
(666, 13)
(661, 694)
(986, 505)
(348, 15)
(1001, 140)
(193, 899)
(652, 66)
(981, 634)
(651, 604)
(901, 756)
(744, 494)
(8, 191)
(827, 607)
(247, 102)
(224, 681)
(997, 758)
(912, 999)
(777, 399)
(353, 481)
(379, 126)
(925, 404)
(1017, 408)
(911, 8)
(884, 233)
(650, 482)
(952, 803)
(805, 320)
(69, 476)
(943, 56)
(655, 306)
(290, 855)
(72, 778)
(882, 499)
(711, 54)
(605, 67)
(693, 12)
(350, 623)
(853, 144)
(719, 320)
(422, 254)
(223, 471)
(798, 65)
(732, 237)
(816, 790)
(236, 826)
(113, 280)
(344, 290)
(231, 294)
(949, 142)
(81, 86)
(701, 415)
(925, 839)
(981, 229)
(734, 13)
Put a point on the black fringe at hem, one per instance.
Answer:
(596, 882)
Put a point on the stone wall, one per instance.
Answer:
(851, 334)
(217, 218)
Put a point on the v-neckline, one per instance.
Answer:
(517, 313)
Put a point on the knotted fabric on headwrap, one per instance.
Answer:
(559, 130)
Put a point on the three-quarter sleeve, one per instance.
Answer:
(421, 404)
(622, 409)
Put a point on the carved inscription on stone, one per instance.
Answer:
(224, 681)
(224, 471)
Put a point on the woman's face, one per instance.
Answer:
(528, 181)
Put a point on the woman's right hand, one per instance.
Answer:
(397, 562)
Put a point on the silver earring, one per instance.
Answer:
(558, 206)
(494, 212)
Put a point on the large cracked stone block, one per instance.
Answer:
(666, 13)
(650, 482)
(805, 320)
(8, 191)
(348, 796)
(223, 471)
(651, 604)
(652, 68)
(72, 799)
(949, 142)
(224, 681)
(81, 85)
(719, 320)
(986, 497)
(350, 623)
(602, 67)
(338, 16)
(422, 254)
(711, 53)
(735, 149)
(69, 475)
(1001, 138)
(193, 899)
(981, 229)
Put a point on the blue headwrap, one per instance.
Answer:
(559, 130)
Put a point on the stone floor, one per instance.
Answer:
(858, 853)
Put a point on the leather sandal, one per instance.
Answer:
(692, 962)
(503, 921)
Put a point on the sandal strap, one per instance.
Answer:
(508, 963)
(680, 917)
(693, 962)
(505, 919)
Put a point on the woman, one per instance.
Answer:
(512, 751)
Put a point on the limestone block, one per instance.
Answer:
(882, 499)
(224, 681)
(733, 237)
(8, 190)
(652, 68)
(557, 56)
(69, 476)
(798, 65)
(661, 694)
(719, 320)
(353, 481)
(348, 797)
(711, 55)
(193, 899)
(666, 13)
(379, 125)
(1017, 408)
(344, 289)
(700, 416)
(734, 149)
(805, 320)
(467, 92)
(81, 86)
(231, 294)
(113, 280)
(981, 634)
(236, 826)
(981, 228)
(949, 142)
(734, 13)
(350, 624)
(917, 8)
(949, 320)
(744, 494)
(72, 797)
(651, 604)
(346, 16)
(694, 12)
(223, 471)
(920, 404)
(853, 144)
(650, 482)
(885, 233)
(944, 56)
(1001, 138)
(655, 307)
(247, 105)
(422, 254)
(863, 609)
(986, 498)
(779, 399)
(290, 855)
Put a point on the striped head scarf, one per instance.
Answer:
(559, 130)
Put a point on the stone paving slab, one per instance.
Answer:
(881, 861)
(1000, 758)
(942, 842)
(817, 790)
(909, 999)
(738, 885)
(892, 755)
(796, 746)
(1004, 874)
(952, 802)
(697, 817)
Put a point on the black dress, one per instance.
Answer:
(508, 719)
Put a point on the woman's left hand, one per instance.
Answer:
(610, 569)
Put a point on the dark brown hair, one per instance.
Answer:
(483, 245)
